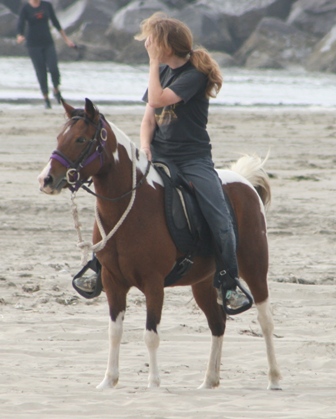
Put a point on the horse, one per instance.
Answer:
(140, 252)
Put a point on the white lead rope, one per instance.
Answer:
(87, 247)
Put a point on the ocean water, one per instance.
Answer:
(113, 83)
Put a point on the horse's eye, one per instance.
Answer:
(80, 140)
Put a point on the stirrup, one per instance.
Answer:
(95, 266)
(232, 311)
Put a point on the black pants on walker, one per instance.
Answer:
(44, 59)
(210, 197)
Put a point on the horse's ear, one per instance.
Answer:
(91, 111)
(68, 109)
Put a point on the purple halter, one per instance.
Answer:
(85, 158)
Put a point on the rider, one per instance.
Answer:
(181, 81)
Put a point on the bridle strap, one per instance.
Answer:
(73, 172)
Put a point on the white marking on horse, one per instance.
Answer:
(265, 319)
(152, 341)
(122, 139)
(45, 172)
(66, 130)
(115, 334)
(212, 375)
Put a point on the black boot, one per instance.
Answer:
(234, 298)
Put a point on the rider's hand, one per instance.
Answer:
(148, 152)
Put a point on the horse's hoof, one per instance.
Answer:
(155, 383)
(107, 383)
(208, 386)
(274, 386)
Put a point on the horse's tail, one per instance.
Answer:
(251, 167)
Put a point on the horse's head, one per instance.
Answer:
(80, 150)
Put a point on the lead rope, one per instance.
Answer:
(87, 247)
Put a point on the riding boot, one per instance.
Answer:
(232, 295)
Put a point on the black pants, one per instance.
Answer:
(44, 59)
(211, 199)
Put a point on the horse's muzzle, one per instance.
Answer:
(49, 184)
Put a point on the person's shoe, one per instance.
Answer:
(235, 299)
(86, 283)
(47, 104)
(58, 97)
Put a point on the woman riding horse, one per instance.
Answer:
(181, 81)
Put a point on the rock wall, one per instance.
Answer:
(247, 33)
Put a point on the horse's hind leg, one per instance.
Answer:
(265, 319)
(253, 267)
(206, 298)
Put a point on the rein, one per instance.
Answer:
(87, 247)
(141, 181)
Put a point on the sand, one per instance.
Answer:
(53, 343)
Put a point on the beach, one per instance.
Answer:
(54, 343)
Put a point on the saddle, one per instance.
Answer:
(186, 223)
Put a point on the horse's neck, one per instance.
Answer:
(115, 178)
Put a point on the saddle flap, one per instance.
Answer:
(185, 221)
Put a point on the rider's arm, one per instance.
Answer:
(147, 128)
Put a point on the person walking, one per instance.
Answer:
(36, 14)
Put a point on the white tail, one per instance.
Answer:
(251, 167)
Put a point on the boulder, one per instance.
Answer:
(13, 5)
(244, 15)
(84, 11)
(62, 4)
(8, 22)
(223, 59)
(87, 52)
(10, 48)
(177, 4)
(313, 16)
(126, 24)
(210, 27)
(133, 53)
(275, 41)
(323, 57)
(263, 61)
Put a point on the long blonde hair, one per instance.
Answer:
(172, 34)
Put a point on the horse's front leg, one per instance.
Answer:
(154, 302)
(115, 334)
(116, 297)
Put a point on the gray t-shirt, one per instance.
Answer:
(181, 128)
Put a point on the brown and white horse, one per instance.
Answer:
(140, 253)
